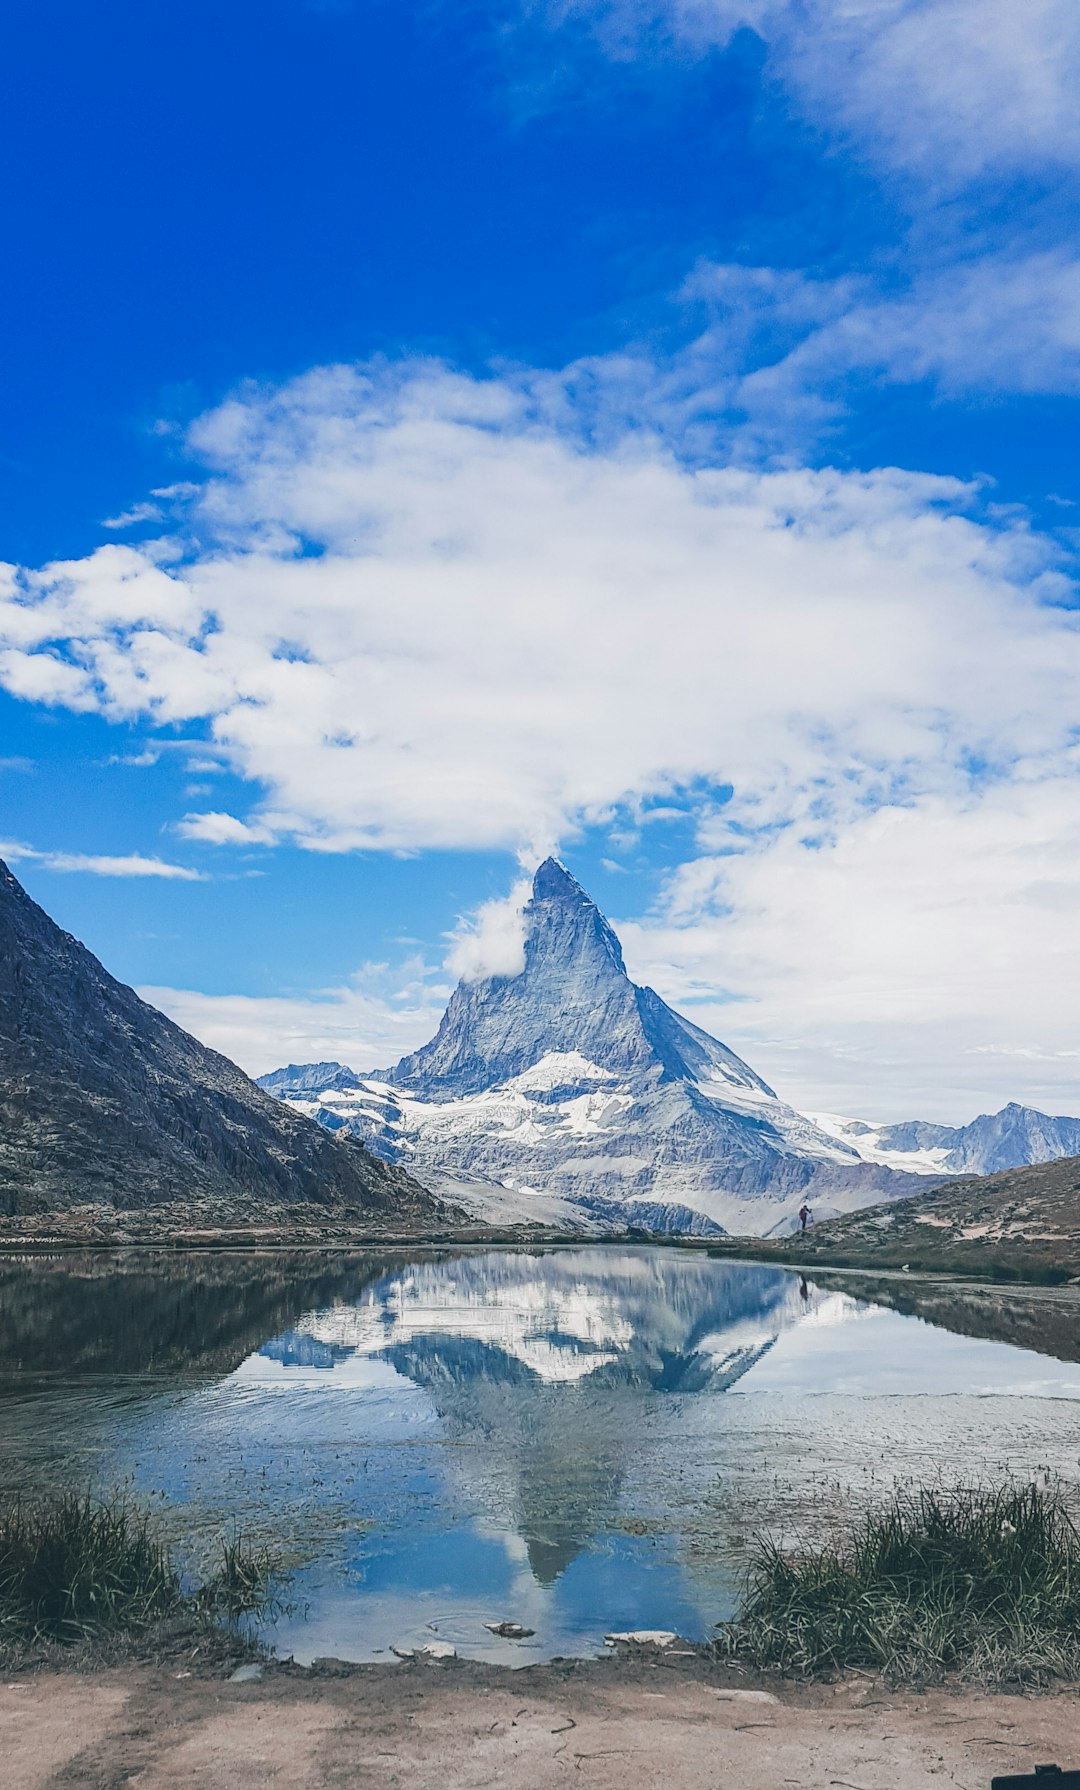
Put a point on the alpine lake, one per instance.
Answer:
(579, 1440)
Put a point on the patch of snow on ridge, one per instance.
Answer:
(559, 1069)
(865, 1140)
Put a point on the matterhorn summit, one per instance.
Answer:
(566, 1092)
(572, 998)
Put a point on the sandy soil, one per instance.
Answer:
(634, 1725)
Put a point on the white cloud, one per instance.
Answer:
(922, 963)
(947, 89)
(491, 941)
(218, 828)
(498, 632)
(784, 355)
(507, 624)
(361, 1024)
(14, 852)
(139, 512)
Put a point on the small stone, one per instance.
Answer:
(246, 1675)
(733, 1696)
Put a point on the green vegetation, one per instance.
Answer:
(983, 1584)
(73, 1567)
(242, 1581)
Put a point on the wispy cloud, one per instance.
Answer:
(783, 356)
(943, 90)
(367, 1023)
(141, 761)
(93, 864)
(139, 512)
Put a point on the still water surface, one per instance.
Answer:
(578, 1440)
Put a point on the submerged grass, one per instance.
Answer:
(983, 1583)
(73, 1567)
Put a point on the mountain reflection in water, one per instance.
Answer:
(542, 1360)
(578, 1439)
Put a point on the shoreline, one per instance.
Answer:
(46, 1239)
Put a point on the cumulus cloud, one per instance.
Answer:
(14, 851)
(419, 610)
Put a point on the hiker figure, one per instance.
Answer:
(804, 1216)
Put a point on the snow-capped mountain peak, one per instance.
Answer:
(567, 1082)
(572, 997)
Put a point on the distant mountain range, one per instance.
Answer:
(569, 1094)
(1012, 1138)
(104, 1101)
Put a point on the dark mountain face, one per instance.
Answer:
(104, 1100)
(572, 995)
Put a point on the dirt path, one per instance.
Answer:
(449, 1726)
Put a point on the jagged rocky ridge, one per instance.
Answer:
(1015, 1137)
(568, 1080)
(105, 1101)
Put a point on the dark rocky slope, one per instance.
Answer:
(105, 1101)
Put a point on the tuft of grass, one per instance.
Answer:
(242, 1581)
(73, 1566)
(983, 1583)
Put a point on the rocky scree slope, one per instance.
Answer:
(103, 1100)
(568, 1080)
(1021, 1224)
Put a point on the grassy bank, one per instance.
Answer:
(74, 1568)
(983, 1584)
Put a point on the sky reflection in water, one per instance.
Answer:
(578, 1440)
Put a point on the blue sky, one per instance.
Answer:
(436, 435)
